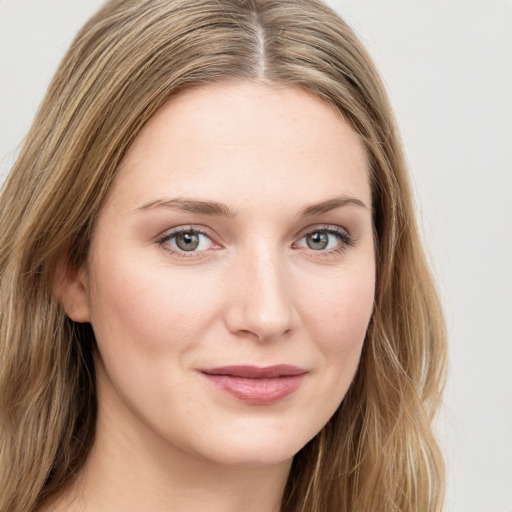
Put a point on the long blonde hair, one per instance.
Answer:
(378, 452)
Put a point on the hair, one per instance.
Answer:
(378, 452)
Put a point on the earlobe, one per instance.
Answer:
(72, 290)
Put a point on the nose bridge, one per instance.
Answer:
(263, 303)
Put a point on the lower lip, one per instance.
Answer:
(264, 391)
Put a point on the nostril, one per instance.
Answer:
(263, 334)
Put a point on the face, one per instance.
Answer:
(231, 274)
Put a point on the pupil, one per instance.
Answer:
(187, 241)
(317, 240)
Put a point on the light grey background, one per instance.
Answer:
(448, 67)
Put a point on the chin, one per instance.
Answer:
(255, 445)
(259, 456)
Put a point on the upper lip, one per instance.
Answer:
(256, 372)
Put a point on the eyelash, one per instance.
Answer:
(163, 241)
(344, 238)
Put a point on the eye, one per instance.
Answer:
(187, 240)
(325, 239)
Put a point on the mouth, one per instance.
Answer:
(257, 385)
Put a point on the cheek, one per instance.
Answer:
(148, 324)
(148, 304)
(147, 320)
(338, 315)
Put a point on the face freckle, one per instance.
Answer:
(231, 274)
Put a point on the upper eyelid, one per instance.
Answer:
(170, 232)
(323, 227)
(207, 231)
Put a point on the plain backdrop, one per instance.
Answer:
(448, 67)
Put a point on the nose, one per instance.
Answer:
(262, 302)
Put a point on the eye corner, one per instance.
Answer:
(325, 245)
(199, 240)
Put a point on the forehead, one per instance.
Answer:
(231, 139)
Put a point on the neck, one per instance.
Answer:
(134, 480)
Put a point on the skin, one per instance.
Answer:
(253, 292)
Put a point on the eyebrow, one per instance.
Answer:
(215, 208)
(330, 204)
(192, 206)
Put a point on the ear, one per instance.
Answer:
(71, 286)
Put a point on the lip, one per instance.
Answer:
(257, 385)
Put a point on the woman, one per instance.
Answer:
(213, 291)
